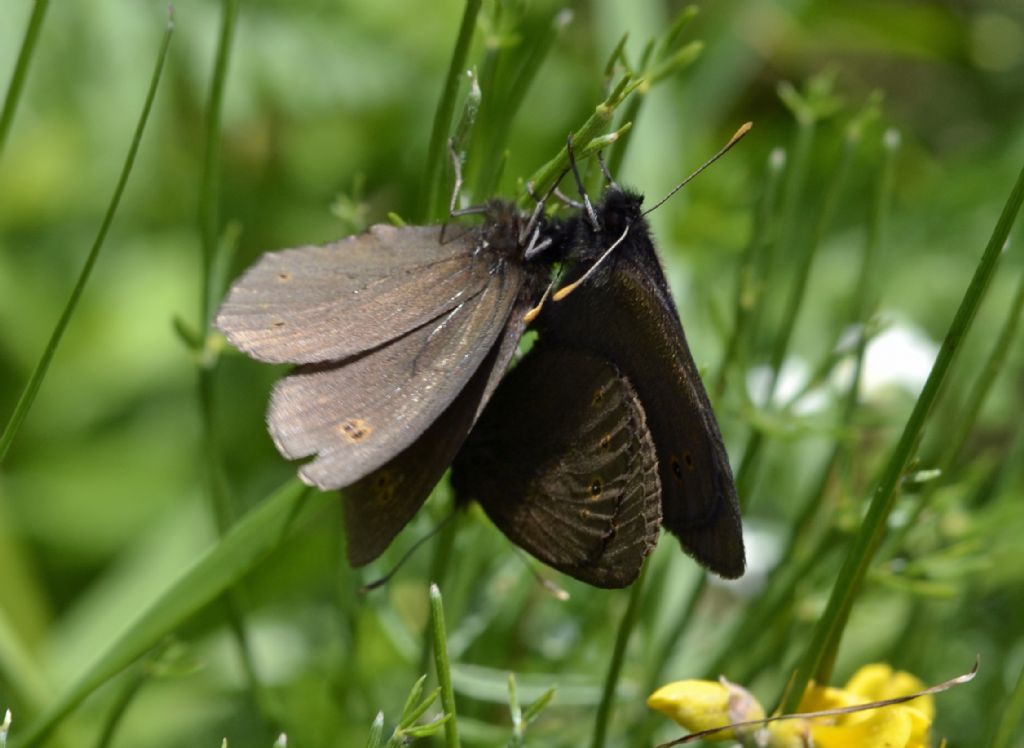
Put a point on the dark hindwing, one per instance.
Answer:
(325, 303)
(626, 313)
(563, 463)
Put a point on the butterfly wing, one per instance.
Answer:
(378, 506)
(625, 312)
(357, 414)
(324, 303)
(700, 504)
(563, 463)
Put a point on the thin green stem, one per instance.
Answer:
(860, 310)
(124, 699)
(792, 192)
(444, 673)
(249, 542)
(546, 176)
(748, 290)
(828, 632)
(209, 230)
(968, 415)
(376, 734)
(36, 380)
(510, 102)
(657, 664)
(864, 296)
(1012, 715)
(770, 605)
(667, 61)
(677, 630)
(445, 111)
(611, 681)
(209, 200)
(439, 565)
(28, 46)
(798, 292)
(863, 300)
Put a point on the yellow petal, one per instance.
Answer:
(790, 733)
(887, 727)
(870, 680)
(879, 681)
(920, 726)
(703, 704)
(819, 698)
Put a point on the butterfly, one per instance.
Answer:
(399, 335)
(601, 434)
(604, 431)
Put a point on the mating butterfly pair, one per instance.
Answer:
(599, 435)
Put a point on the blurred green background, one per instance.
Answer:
(327, 113)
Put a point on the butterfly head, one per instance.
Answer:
(619, 219)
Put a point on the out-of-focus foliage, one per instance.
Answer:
(328, 110)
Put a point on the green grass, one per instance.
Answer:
(166, 581)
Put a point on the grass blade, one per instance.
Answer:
(965, 420)
(209, 202)
(1013, 713)
(445, 110)
(28, 46)
(374, 739)
(747, 288)
(828, 631)
(611, 680)
(243, 547)
(499, 123)
(444, 672)
(211, 251)
(35, 381)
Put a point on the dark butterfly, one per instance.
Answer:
(599, 435)
(400, 336)
(604, 428)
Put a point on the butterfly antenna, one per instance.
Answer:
(408, 554)
(566, 290)
(557, 592)
(736, 138)
(588, 206)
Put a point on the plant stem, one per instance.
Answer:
(444, 673)
(748, 290)
(28, 46)
(965, 419)
(35, 381)
(445, 111)
(510, 102)
(124, 698)
(209, 199)
(249, 542)
(828, 632)
(792, 191)
(209, 229)
(1013, 713)
(611, 680)
(439, 564)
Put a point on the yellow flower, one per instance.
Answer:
(702, 705)
(706, 704)
(905, 725)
